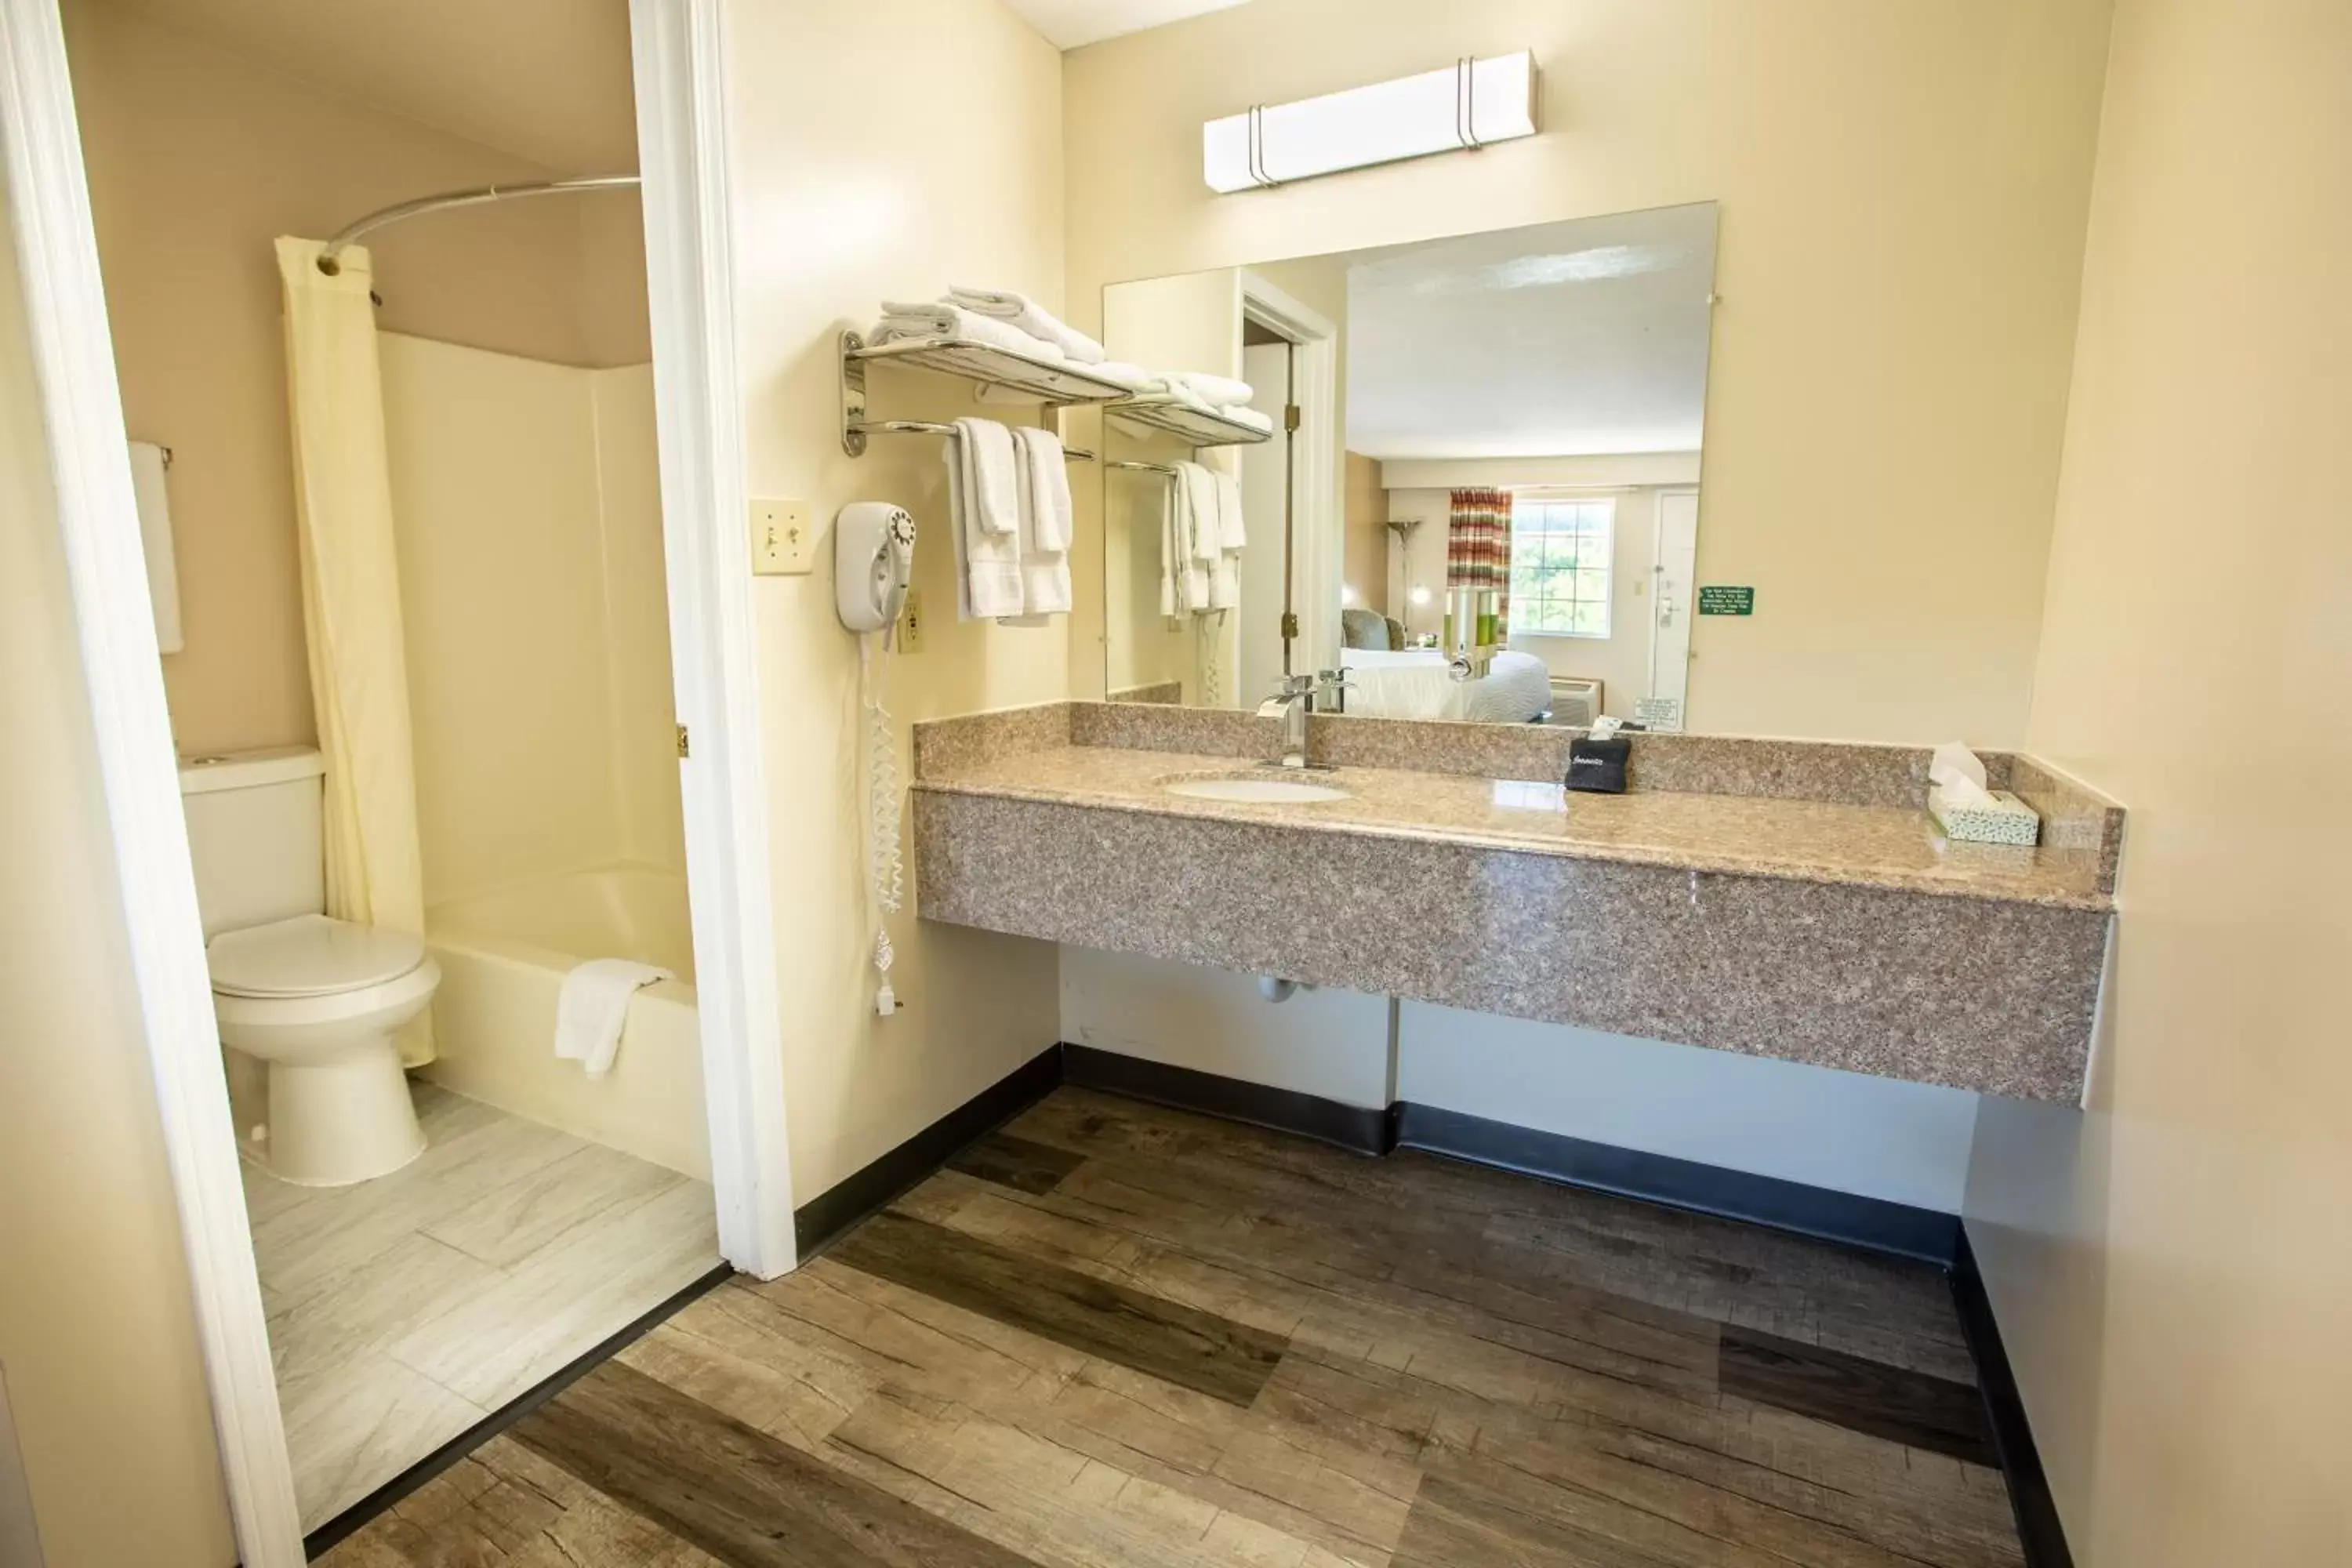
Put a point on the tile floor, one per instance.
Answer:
(1115, 1336)
(403, 1310)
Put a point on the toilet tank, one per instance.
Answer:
(254, 834)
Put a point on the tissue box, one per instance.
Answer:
(2007, 820)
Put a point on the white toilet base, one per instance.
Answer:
(345, 1120)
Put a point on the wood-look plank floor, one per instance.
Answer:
(403, 1310)
(1115, 1335)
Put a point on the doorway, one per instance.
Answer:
(673, 96)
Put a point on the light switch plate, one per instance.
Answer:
(784, 538)
(910, 622)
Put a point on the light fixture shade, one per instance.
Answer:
(1467, 104)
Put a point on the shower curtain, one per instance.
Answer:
(1478, 549)
(350, 600)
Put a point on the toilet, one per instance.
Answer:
(318, 999)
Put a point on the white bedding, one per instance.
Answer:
(1413, 684)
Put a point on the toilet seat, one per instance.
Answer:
(309, 956)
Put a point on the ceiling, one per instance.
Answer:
(1069, 23)
(1569, 339)
(547, 80)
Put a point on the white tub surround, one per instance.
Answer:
(503, 957)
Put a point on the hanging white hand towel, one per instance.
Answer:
(984, 503)
(1171, 506)
(1005, 305)
(1049, 486)
(1044, 522)
(1199, 536)
(1225, 571)
(1233, 536)
(594, 1005)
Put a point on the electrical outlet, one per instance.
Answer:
(784, 538)
(910, 638)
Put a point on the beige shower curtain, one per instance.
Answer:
(351, 599)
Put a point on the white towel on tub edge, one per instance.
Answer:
(594, 1005)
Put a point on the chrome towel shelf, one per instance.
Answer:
(1200, 426)
(1056, 384)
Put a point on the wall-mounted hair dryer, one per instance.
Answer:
(873, 561)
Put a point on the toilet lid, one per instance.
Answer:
(310, 955)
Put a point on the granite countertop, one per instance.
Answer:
(1794, 839)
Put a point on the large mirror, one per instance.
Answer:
(1464, 472)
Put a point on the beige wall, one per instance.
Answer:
(97, 1341)
(198, 159)
(1365, 510)
(538, 634)
(2172, 1270)
(1902, 193)
(953, 174)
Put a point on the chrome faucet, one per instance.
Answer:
(1292, 701)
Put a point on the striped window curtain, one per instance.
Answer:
(1478, 549)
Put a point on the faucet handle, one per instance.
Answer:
(1333, 679)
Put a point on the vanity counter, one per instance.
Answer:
(1797, 904)
(1748, 836)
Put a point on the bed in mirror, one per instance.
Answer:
(1456, 478)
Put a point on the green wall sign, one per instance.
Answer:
(1722, 601)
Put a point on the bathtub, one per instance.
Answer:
(503, 957)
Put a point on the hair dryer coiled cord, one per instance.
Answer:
(885, 864)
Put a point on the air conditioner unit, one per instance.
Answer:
(1575, 701)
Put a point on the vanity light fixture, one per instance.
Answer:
(1464, 105)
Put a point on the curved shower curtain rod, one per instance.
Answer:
(350, 233)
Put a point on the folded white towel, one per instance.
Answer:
(941, 319)
(1216, 391)
(1005, 305)
(1253, 418)
(593, 1005)
(1044, 522)
(1133, 377)
(984, 512)
(1167, 389)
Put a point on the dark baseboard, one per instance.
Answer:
(2039, 1528)
(1361, 1129)
(1874, 1223)
(353, 1518)
(843, 1204)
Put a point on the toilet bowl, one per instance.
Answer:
(321, 1001)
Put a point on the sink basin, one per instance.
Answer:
(1261, 792)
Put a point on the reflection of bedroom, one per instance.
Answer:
(1564, 367)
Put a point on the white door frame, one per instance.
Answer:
(1317, 567)
(679, 71)
(1689, 606)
